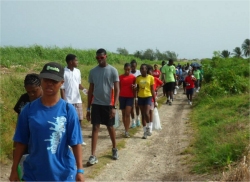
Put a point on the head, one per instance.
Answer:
(101, 57)
(189, 73)
(127, 68)
(150, 69)
(133, 65)
(32, 85)
(52, 76)
(156, 67)
(163, 63)
(170, 62)
(143, 69)
(71, 60)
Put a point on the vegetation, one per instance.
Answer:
(221, 115)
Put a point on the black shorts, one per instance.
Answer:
(169, 86)
(101, 115)
(190, 91)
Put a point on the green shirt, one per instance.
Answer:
(197, 74)
(169, 72)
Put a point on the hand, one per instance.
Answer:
(80, 177)
(112, 113)
(14, 176)
(88, 116)
(156, 104)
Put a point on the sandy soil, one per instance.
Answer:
(157, 158)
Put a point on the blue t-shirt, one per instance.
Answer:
(49, 131)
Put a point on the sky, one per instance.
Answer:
(192, 29)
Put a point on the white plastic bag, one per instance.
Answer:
(117, 119)
(156, 120)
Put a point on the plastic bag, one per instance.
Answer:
(156, 120)
(117, 119)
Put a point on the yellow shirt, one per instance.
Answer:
(144, 84)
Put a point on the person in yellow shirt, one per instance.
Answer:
(143, 98)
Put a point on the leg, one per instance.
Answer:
(127, 112)
(111, 131)
(95, 130)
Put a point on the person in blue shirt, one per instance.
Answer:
(48, 126)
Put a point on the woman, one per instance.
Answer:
(190, 84)
(126, 96)
(156, 73)
(49, 125)
(145, 93)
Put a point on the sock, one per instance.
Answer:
(137, 117)
(133, 121)
(147, 125)
(144, 128)
(150, 126)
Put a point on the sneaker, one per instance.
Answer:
(175, 91)
(170, 103)
(126, 135)
(190, 103)
(197, 90)
(148, 132)
(167, 101)
(83, 143)
(133, 125)
(144, 135)
(92, 160)
(115, 154)
(138, 123)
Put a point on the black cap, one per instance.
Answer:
(53, 71)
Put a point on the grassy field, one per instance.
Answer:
(220, 114)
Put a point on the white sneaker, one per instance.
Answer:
(197, 90)
(175, 91)
(190, 103)
(83, 143)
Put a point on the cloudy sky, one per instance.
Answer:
(192, 29)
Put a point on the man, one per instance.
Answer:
(170, 80)
(103, 99)
(72, 83)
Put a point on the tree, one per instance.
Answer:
(216, 54)
(122, 51)
(138, 54)
(149, 54)
(225, 54)
(246, 47)
(171, 55)
(237, 52)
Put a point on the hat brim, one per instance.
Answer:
(51, 76)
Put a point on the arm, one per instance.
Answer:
(81, 87)
(90, 96)
(117, 92)
(18, 153)
(77, 151)
(152, 92)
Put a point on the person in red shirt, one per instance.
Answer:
(157, 84)
(190, 80)
(156, 73)
(126, 96)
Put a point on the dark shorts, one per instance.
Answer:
(143, 101)
(126, 101)
(169, 86)
(184, 84)
(100, 115)
(190, 91)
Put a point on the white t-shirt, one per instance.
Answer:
(72, 79)
(137, 73)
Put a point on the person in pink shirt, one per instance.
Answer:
(190, 84)
(156, 73)
(126, 96)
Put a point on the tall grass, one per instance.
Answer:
(16, 62)
(221, 115)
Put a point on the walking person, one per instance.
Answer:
(162, 78)
(183, 77)
(104, 86)
(190, 84)
(170, 80)
(144, 95)
(157, 84)
(49, 125)
(156, 72)
(71, 86)
(126, 97)
(197, 74)
(135, 119)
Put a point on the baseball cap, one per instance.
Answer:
(53, 71)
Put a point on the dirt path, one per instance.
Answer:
(158, 158)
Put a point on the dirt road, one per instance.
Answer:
(158, 158)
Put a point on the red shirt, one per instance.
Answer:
(157, 83)
(189, 80)
(156, 73)
(126, 83)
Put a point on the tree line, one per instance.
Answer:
(237, 51)
(150, 54)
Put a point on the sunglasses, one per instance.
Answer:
(100, 57)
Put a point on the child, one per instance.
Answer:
(49, 125)
(190, 80)
(72, 83)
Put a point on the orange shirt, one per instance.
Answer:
(126, 83)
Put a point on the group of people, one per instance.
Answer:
(49, 124)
